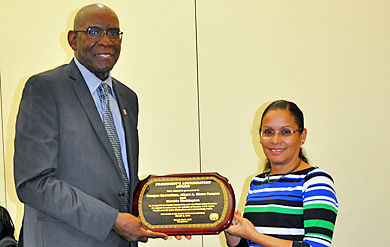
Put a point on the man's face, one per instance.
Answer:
(98, 55)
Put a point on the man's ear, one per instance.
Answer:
(72, 39)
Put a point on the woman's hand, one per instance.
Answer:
(241, 227)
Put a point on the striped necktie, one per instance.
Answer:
(108, 121)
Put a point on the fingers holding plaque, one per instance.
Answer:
(185, 204)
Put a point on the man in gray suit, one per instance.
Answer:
(67, 169)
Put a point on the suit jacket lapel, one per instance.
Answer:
(86, 100)
(125, 119)
(131, 134)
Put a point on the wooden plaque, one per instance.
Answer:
(185, 204)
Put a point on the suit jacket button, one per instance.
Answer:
(121, 194)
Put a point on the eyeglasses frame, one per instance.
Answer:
(278, 132)
(103, 32)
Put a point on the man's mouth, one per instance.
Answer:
(104, 55)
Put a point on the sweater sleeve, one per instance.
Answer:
(320, 209)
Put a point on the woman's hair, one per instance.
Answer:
(298, 115)
(6, 225)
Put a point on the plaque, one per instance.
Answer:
(185, 204)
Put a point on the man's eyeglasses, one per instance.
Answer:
(97, 33)
(268, 134)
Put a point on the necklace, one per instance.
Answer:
(283, 174)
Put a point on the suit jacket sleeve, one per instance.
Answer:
(38, 159)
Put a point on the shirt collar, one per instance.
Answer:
(91, 79)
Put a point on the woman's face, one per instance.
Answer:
(281, 150)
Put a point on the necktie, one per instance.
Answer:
(108, 121)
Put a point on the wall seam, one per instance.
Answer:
(3, 143)
(198, 90)
(197, 84)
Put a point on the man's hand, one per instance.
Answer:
(130, 228)
(178, 237)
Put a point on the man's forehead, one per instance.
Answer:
(95, 15)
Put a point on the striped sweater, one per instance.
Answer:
(301, 207)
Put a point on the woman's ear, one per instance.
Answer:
(303, 136)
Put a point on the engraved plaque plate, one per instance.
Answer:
(185, 204)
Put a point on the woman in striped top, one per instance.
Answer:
(291, 204)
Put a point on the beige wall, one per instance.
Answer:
(330, 57)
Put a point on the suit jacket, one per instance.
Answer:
(65, 168)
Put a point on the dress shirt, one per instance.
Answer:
(93, 83)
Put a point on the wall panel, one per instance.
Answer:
(332, 59)
(157, 61)
(160, 61)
